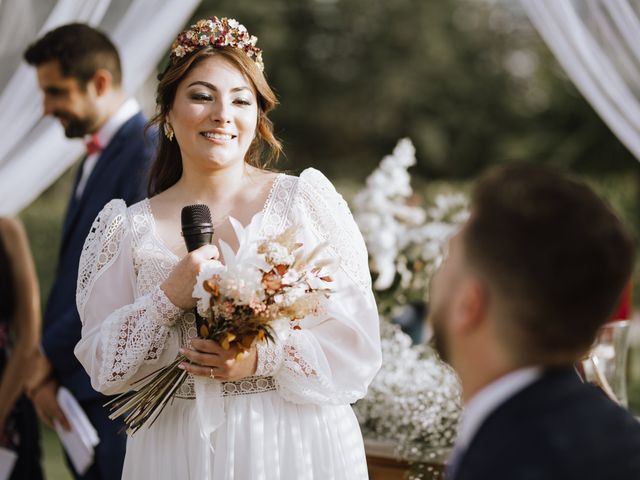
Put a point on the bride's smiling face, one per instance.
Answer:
(214, 115)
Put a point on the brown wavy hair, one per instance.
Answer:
(265, 147)
(554, 255)
(80, 50)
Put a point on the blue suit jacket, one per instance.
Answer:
(121, 172)
(556, 429)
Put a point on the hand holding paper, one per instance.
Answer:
(79, 442)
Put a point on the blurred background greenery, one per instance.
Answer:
(468, 81)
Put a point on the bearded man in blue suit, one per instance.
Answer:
(79, 73)
(530, 278)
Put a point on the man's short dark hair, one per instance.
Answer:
(554, 254)
(80, 49)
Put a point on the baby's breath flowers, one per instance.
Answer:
(415, 400)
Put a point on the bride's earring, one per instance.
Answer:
(168, 130)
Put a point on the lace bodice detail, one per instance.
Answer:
(130, 328)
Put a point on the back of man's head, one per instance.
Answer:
(80, 50)
(554, 256)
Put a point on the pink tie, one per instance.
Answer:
(93, 145)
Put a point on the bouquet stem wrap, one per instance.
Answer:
(210, 405)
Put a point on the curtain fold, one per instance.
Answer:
(34, 151)
(597, 42)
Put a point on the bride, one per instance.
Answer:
(286, 405)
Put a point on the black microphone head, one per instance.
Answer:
(198, 214)
(197, 229)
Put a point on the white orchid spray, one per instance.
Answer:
(414, 401)
(406, 242)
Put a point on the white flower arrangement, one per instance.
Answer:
(406, 242)
(415, 400)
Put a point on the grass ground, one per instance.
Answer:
(53, 459)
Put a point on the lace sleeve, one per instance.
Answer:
(124, 334)
(335, 355)
(331, 221)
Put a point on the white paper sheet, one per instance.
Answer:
(7, 461)
(80, 441)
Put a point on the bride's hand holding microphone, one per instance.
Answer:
(178, 286)
(206, 357)
(197, 231)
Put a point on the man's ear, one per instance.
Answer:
(102, 81)
(471, 306)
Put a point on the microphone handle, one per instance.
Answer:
(195, 236)
(194, 239)
(197, 240)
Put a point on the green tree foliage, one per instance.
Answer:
(469, 81)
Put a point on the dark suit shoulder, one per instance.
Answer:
(134, 136)
(129, 157)
(557, 428)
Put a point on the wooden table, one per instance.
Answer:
(384, 464)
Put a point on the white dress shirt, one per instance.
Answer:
(489, 399)
(127, 110)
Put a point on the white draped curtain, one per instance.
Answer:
(597, 42)
(34, 151)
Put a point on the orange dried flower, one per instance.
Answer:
(246, 341)
(204, 331)
(271, 281)
(226, 341)
(212, 288)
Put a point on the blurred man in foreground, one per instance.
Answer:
(530, 278)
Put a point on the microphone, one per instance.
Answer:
(197, 228)
(197, 231)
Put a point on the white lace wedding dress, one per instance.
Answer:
(293, 419)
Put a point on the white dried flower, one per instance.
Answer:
(242, 283)
(277, 254)
(207, 271)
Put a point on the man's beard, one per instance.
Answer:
(76, 127)
(438, 338)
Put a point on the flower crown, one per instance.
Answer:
(217, 32)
